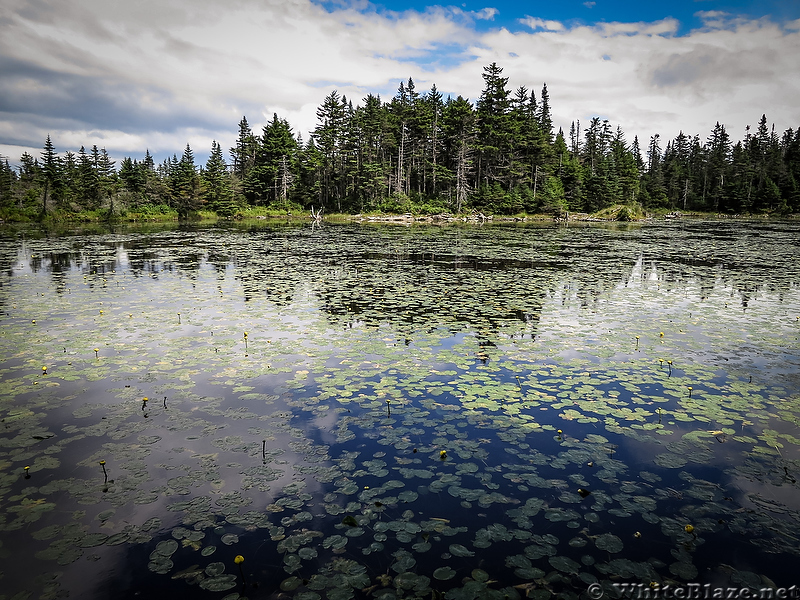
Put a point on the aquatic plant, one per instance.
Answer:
(359, 383)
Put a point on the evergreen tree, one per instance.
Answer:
(522, 142)
(308, 189)
(69, 178)
(459, 128)
(185, 183)
(147, 162)
(50, 171)
(790, 181)
(627, 171)
(499, 155)
(401, 109)
(654, 180)
(545, 118)
(88, 184)
(494, 129)
(130, 176)
(570, 176)
(8, 180)
(328, 137)
(433, 139)
(600, 186)
(718, 150)
(244, 152)
(107, 178)
(217, 188)
(372, 123)
(269, 180)
(678, 174)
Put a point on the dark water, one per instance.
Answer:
(551, 365)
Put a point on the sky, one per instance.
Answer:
(158, 74)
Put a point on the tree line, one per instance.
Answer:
(422, 152)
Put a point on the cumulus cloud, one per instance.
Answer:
(158, 73)
(152, 68)
(536, 23)
(648, 79)
(485, 14)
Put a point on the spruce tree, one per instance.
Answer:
(494, 128)
(327, 138)
(7, 182)
(244, 152)
(545, 117)
(218, 191)
(50, 171)
(458, 119)
(185, 183)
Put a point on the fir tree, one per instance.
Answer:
(50, 171)
(185, 183)
(494, 125)
(218, 191)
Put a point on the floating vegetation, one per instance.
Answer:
(391, 412)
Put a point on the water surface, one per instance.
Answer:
(387, 412)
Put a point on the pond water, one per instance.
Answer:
(392, 412)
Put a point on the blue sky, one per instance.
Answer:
(593, 11)
(158, 74)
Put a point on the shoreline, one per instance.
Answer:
(476, 218)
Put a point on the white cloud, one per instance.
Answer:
(156, 74)
(536, 23)
(201, 65)
(485, 14)
(649, 80)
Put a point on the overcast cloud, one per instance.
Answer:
(158, 74)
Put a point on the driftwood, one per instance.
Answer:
(318, 215)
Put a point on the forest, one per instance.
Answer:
(422, 153)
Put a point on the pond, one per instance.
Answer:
(396, 412)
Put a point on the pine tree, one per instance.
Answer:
(494, 128)
(401, 109)
(600, 185)
(128, 174)
(545, 117)
(69, 178)
(627, 172)
(654, 178)
(8, 179)
(107, 179)
(433, 138)
(185, 183)
(50, 171)
(459, 129)
(718, 150)
(523, 137)
(244, 152)
(308, 189)
(88, 184)
(218, 191)
(328, 137)
(373, 125)
(269, 181)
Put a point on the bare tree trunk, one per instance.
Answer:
(435, 127)
(461, 176)
(44, 198)
(400, 158)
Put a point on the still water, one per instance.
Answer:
(391, 412)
